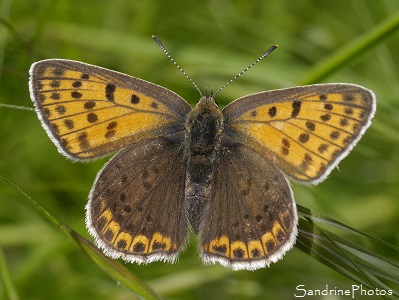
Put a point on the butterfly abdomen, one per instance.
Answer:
(203, 140)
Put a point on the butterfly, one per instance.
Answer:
(222, 173)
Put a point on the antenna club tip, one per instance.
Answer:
(276, 45)
(157, 40)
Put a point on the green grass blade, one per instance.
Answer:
(32, 202)
(9, 288)
(352, 50)
(344, 256)
(319, 217)
(20, 107)
(114, 269)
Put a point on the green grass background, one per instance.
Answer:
(212, 41)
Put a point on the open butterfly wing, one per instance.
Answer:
(90, 111)
(251, 220)
(305, 131)
(135, 208)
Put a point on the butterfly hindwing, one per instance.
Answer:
(305, 130)
(135, 210)
(251, 220)
(90, 111)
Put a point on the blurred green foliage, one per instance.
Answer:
(212, 41)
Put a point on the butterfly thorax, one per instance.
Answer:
(203, 127)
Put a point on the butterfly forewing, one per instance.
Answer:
(90, 111)
(306, 130)
(135, 210)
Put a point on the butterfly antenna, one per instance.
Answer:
(158, 41)
(270, 50)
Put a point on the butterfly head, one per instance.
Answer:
(207, 101)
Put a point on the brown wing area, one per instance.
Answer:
(135, 210)
(304, 131)
(252, 218)
(90, 111)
